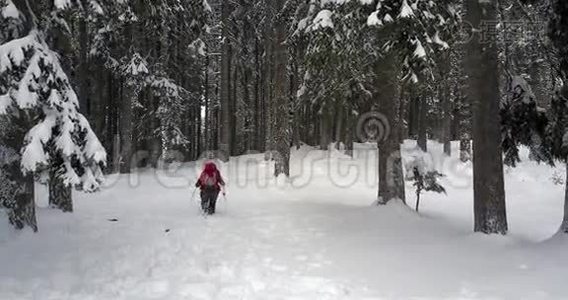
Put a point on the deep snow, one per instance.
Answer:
(316, 237)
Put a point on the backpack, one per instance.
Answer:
(209, 181)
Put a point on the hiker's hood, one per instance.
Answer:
(210, 167)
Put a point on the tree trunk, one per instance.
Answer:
(60, 195)
(465, 149)
(422, 134)
(539, 81)
(339, 119)
(349, 132)
(324, 131)
(482, 66)
(257, 97)
(281, 131)
(16, 188)
(207, 106)
(444, 94)
(23, 213)
(391, 180)
(295, 117)
(447, 118)
(126, 130)
(225, 123)
(233, 112)
(564, 226)
(84, 105)
(402, 114)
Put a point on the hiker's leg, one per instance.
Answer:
(204, 201)
(213, 202)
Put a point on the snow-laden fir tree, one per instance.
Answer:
(46, 134)
(558, 129)
(555, 139)
(156, 51)
(397, 40)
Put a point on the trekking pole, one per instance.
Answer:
(224, 194)
(225, 198)
(196, 203)
(193, 195)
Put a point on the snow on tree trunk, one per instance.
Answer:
(482, 66)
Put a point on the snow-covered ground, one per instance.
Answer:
(315, 237)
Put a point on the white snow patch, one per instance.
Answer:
(10, 10)
(438, 40)
(5, 103)
(405, 10)
(322, 20)
(62, 4)
(312, 237)
(419, 52)
(373, 19)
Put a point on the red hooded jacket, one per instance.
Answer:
(210, 171)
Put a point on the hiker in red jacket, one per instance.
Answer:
(210, 183)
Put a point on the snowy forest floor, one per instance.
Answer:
(142, 237)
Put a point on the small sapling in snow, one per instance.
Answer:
(426, 181)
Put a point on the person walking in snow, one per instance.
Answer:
(210, 183)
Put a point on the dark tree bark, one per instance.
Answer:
(564, 226)
(257, 96)
(391, 180)
(126, 130)
(23, 213)
(324, 131)
(339, 119)
(129, 95)
(17, 194)
(60, 195)
(482, 66)
(465, 149)
(207, 105)
(414, 114)
(225, 138)
(83, 69)
(294, 84)
(447, 107)
(402, 113)
(349, 133)
(281, 130)
(422, 126)
(233, 109)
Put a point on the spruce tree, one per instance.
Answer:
(50, 136)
